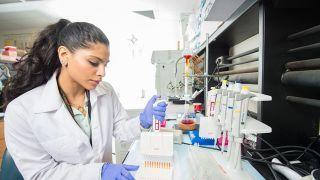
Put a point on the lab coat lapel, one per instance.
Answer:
(95, 123)
(96, 116)
(51, 100)
(63, 116)
(95, 93)
(95, 130)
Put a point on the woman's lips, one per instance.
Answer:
(95, 81)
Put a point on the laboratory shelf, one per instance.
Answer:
(6, 59)
(287, 43)
(233, 24)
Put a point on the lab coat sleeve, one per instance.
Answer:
(124, 129)
(31, 158)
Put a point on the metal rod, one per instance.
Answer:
(309, 78)
(305, 101)
(243, 54)
(249, 78)
(308, 47)
(239, 71)
(303, 33)
(234, 64)
(206, 65)
(304, 64)
(203, 76)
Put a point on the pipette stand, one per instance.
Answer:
(230, 163)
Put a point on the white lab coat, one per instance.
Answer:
(46, 143)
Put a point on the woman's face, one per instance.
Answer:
(86, 66)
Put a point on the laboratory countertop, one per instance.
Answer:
(182, 166)
(181, 170)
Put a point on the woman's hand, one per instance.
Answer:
(117, 171)
(146, 117)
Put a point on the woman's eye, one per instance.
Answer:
(95, 64)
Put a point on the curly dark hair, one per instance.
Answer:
(42, 61)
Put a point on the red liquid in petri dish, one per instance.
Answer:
(187, 121)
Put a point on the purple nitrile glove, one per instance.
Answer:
(117, 171)
(158, 112)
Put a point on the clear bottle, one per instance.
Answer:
(187, 55)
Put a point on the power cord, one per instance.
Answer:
(297, 149)
(308, 147)
(262, 161)
(280, 164)
(286, 147)
(283, 152)
(269, 166)
(281, 155)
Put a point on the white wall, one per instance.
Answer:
(130, 70)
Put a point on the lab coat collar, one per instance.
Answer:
(51, 100)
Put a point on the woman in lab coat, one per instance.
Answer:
(60, 117)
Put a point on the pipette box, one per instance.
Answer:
(159, 144)
(157, 151)
(154, 174)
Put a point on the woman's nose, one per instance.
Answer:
(101, 70)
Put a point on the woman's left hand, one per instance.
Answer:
(146, 117)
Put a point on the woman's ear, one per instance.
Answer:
(64, 55)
